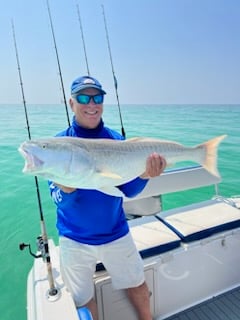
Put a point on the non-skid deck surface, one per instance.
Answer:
(223, 307)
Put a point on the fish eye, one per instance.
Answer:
(44, 146)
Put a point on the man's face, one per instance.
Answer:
(87, 115)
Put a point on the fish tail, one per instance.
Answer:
(210, 161)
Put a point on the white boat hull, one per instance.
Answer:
(190, 254)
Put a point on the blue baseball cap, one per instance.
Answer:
(84, 83)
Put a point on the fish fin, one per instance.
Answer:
(210, 161)
(112, 191)
(111, 175)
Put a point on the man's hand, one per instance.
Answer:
(155, 165)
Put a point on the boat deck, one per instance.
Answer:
(223, 307)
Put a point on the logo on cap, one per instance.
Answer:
(89, 81)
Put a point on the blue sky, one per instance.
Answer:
(164, 51)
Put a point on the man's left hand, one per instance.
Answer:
(155, 165)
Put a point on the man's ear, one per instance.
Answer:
(71, 103)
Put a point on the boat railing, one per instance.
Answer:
(149, 201)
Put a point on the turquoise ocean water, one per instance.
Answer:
(187, 124)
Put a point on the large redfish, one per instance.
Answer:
(103, 164)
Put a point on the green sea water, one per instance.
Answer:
(187, 124)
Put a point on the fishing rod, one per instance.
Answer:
(113, 73)
(42, 241)
(84, 47)
(58, 62)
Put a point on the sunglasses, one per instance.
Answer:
(85, 98)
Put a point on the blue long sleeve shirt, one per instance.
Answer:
(90, 216)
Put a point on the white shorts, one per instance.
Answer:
(78, 262)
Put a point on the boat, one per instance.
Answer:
(190, 253)
(191, 257)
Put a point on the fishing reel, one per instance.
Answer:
(42, 247)
(53, 292)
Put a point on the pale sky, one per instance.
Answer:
(164, 51)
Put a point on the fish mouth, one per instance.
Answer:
(32, 162)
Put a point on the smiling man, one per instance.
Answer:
(87, 103)
(92, 225)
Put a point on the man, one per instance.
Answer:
(91, 224)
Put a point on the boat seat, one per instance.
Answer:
(151, 236)
(202, 220)
(143, 207)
